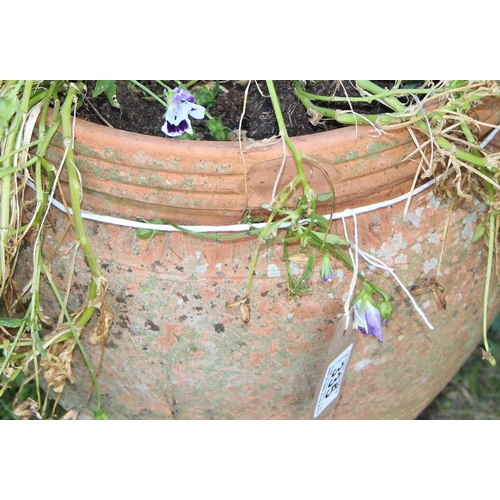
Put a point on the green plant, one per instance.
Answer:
(452, 143)
(452, 146)
(22, 161)
(437, 111)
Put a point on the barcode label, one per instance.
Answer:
(333, 380)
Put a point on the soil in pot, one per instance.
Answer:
(145, 115)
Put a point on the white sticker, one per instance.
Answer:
(333, 380)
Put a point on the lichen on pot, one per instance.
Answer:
(175, 351)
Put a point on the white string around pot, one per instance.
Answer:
(237, 228)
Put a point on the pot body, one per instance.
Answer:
(174, 349)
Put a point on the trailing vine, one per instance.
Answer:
(438, 112)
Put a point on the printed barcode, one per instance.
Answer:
(332, 381)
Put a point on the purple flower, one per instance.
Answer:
(176, 118)
(368, 319)
(326, 271)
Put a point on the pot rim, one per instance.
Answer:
(213, 183)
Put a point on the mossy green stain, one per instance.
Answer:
(351, 155)
(378, 147)
(187, 183)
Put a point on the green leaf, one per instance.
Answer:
(479, 232)
(11, 322)
(218, 131)
(109, 87)
(100, 413)
(297, 287)
(324, 196)
(8, 106)
(333, 239)
(205, 97)
(143, 233)
(307, 271)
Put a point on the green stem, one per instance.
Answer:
(25, 101)
(390, 101)
(44, 142)
(14, 344)
(190, 83)
(459, 153)
(491, 243)
(221, 237)
(74, 183)
(368, 99)
(347, 118)
(386, 118)
(75, 335)
(271, 226)
(268, 229)
(284, 134)
(6, 180)
(394, 104)
(74, 191)
(339, 253)
(152, 94)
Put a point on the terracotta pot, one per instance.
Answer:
(175, 351)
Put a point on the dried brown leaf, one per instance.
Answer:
(245, 312)
(315, 117)
(26, 409)
(101, 331)
(233, 135)
(301, 257)
(72, 413)
(243, 304)
(439, 297)
(235, 302)
(434, 287)
(57, 365)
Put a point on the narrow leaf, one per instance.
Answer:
(11, 322)
(479, 232)
(333, 239)
(324, 196)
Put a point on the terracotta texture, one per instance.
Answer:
(175, 351)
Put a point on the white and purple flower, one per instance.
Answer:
(182, 105)
(367, 319)
(326, 271)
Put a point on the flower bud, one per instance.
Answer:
(205, 96)
(218, 131)
(326, 272)
(367, 318)
(386, 309)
